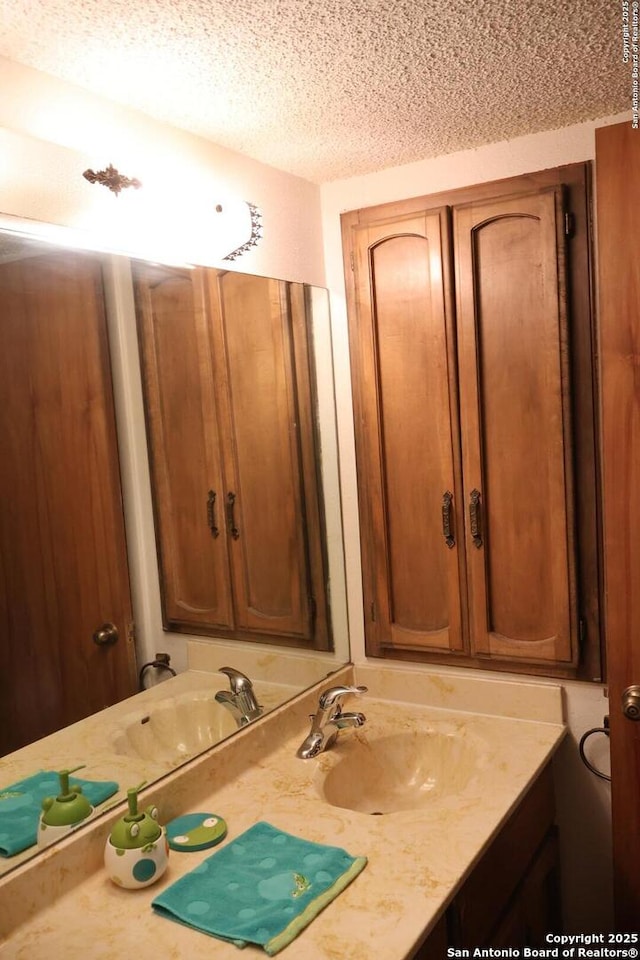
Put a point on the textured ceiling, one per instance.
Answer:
(332, 88)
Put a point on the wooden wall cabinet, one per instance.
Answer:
(228, 397)
(463, 362)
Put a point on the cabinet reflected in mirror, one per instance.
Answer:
(77, 556)
(229, 385)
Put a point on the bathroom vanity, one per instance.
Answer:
(446, 789)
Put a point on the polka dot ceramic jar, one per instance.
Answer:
(137, 851)
(138, 866)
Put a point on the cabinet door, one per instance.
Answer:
(534, 910)
(405, 397)
(515, 427)
(187, 479)
(520, 865)
(267, 529)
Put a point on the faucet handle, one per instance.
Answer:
(334, 694)
(238, 681)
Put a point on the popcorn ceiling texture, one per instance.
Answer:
(327, 89)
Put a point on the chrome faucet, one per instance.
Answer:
(329, 719)
(240, 700)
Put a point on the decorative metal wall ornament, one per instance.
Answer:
(111, 179)
(256, 233)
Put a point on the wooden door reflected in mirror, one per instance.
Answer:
(62, 539)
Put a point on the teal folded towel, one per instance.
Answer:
(264, 888)
(21, 806)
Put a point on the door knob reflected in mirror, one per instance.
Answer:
(106, 635)
(631, 702)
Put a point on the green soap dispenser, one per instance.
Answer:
(64, 813)
(136, 852)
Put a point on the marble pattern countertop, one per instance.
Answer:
(418, 858)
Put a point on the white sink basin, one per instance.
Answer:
(403, 771)
(175, 729)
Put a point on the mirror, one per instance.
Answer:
(69, 333)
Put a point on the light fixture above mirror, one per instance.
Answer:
(207, 234)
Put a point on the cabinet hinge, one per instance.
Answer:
(352, 260)
(373, 612)
(569, 224)
(131, 632)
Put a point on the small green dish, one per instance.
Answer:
(196, 831)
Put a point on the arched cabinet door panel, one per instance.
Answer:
(403, 354)
(255, 325)
(516, 426)
(183, 434)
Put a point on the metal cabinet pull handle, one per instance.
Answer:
(475, 516)
(447, 531)
(231, 522)
(211, 515)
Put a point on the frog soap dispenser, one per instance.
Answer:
(64, 813)
(136, 853)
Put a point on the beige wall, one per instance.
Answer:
(51, 131)
(584, 808)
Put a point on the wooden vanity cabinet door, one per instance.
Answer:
(263, 396)
(514, 886)
(186, 470)
(515, 427)
(534, 909)
(405, 397)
